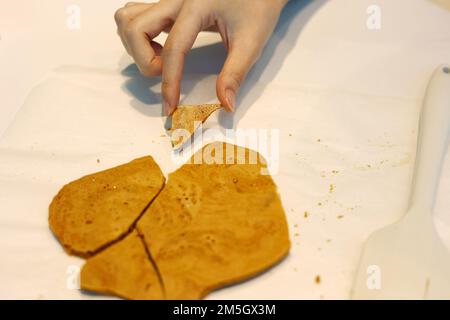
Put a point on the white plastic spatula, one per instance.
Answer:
(407, 260)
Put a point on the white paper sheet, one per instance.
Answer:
(347, 110)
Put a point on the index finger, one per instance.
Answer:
(179, 42)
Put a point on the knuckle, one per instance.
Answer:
(165, 85)
(167, 88)
(172, 49)
(121, 15)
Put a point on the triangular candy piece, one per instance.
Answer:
(186, 119)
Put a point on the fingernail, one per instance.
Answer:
(231, 98)
(166, 108)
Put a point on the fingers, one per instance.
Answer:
(124, 15)
(244, 50)
(138, 36)
(179, 42)
(138, 25)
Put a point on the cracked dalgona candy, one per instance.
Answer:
(213, 224)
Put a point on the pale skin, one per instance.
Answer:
(244, 25)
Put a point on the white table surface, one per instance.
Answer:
(35, 39)
(325, 47)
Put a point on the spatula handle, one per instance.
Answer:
(432, 140)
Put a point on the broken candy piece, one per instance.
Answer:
(215, 224)
(186, 119)
(123, 269)
(90, 213)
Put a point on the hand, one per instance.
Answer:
(245, 26)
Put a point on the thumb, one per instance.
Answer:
(241, 57)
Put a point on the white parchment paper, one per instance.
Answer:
(346, 105)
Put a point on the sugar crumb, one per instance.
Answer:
(331, 188)
(317, 279)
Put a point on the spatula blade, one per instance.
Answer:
(404, 261)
